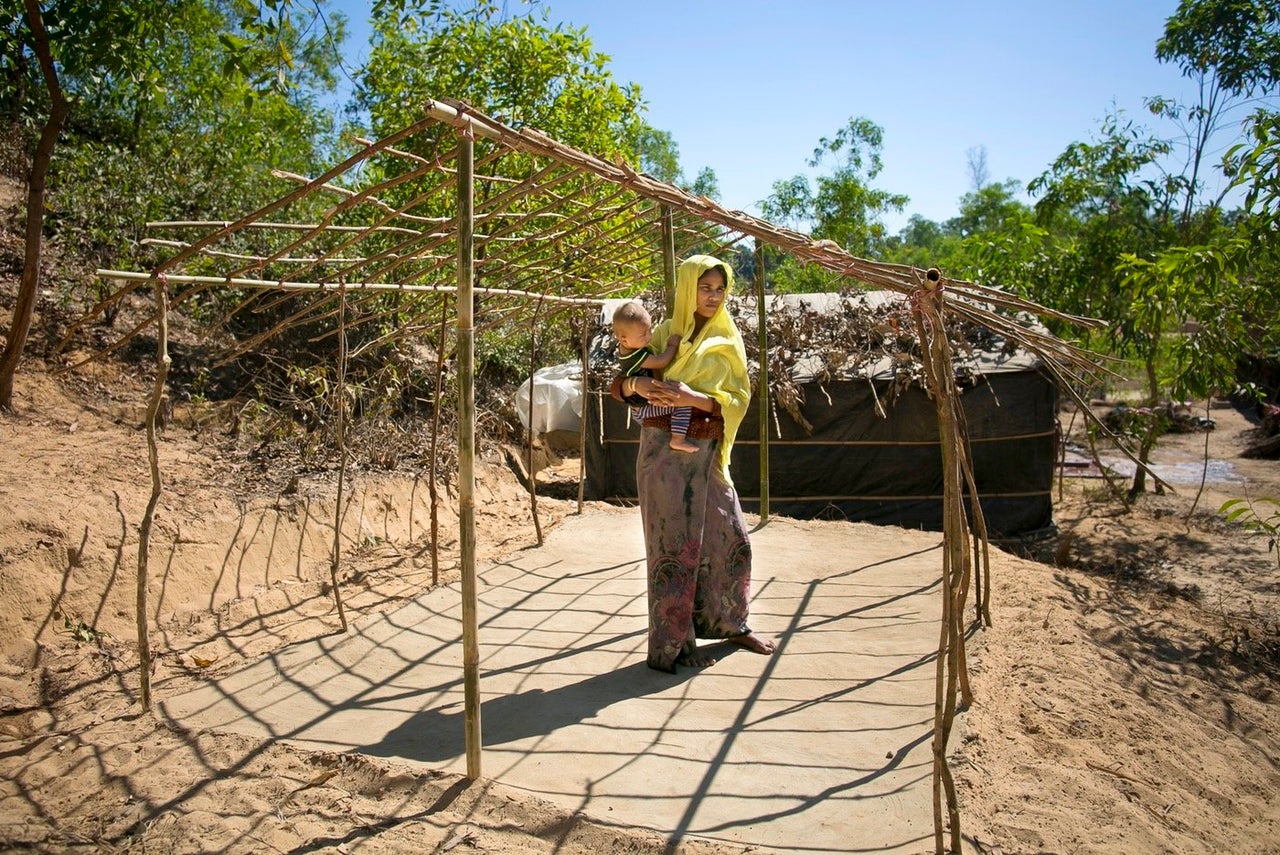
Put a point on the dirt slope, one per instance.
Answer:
(1123, 699)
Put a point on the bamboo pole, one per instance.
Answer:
(148, 517)
(587, 326)
(340, 428)
(669, 258)
(432, 489)
(533, 370)
(762, 395)
(280, 285)
(936, 357)
(466, 450)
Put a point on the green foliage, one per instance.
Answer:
(1206, 287)
(705, 183)
(842, 205)
(81, 632)
(1238, 41)
(978, 243)
(180, 109)
(518, 68)
(1255, 516)
(1255, 166)
(658, 153)
(1103, 202)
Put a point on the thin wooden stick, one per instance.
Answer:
(148, 516)
(762, 393)
(435, 439)
(281, 285)
(1204, 469)
(340, 410)
(533, 370)
(585, 339)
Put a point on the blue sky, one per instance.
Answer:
(749, 87)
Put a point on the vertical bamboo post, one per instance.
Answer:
(669, 259)
(153, 457)
(432, 490)
(939, 375)
(533, 475)
(762, 394)
(587, 326)
(466, 446)
(340, 412)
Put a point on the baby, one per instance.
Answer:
(633, 329)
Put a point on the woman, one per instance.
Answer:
(699, 557)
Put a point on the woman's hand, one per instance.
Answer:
(642, 386)
(673, 393)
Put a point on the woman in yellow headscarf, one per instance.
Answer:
(699, 555)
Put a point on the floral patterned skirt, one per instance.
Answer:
(699, 556)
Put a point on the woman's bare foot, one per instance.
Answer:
(754, 643)
(697, 659)
(679, 443)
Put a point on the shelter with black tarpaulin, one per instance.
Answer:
(865, 447)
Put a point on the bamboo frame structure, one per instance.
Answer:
(398, 226)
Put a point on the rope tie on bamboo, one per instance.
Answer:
(932, 286)
(465, 129)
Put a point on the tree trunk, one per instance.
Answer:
(1153, 382)
(28, 287)
(1150, 434)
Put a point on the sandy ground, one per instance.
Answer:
(1124, 694)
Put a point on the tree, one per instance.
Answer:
(526, 72)
(976, 163)
(1101, 200)
(841, 205)
(141, 90)
(658, 153)
(29, 284)
(1235, 41)
(845, 206)
(519, 69)
(1232, 49)
(705, 184)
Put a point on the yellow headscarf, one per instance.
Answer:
(714, 363)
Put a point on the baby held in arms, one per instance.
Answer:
(633, 328)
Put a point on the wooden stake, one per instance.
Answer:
(669, 259)
(340, 425)
(762, 394)
(588, 324)
(940, 377)
(435, 439)
(466, 449)
(533, 477)
(153, 456)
